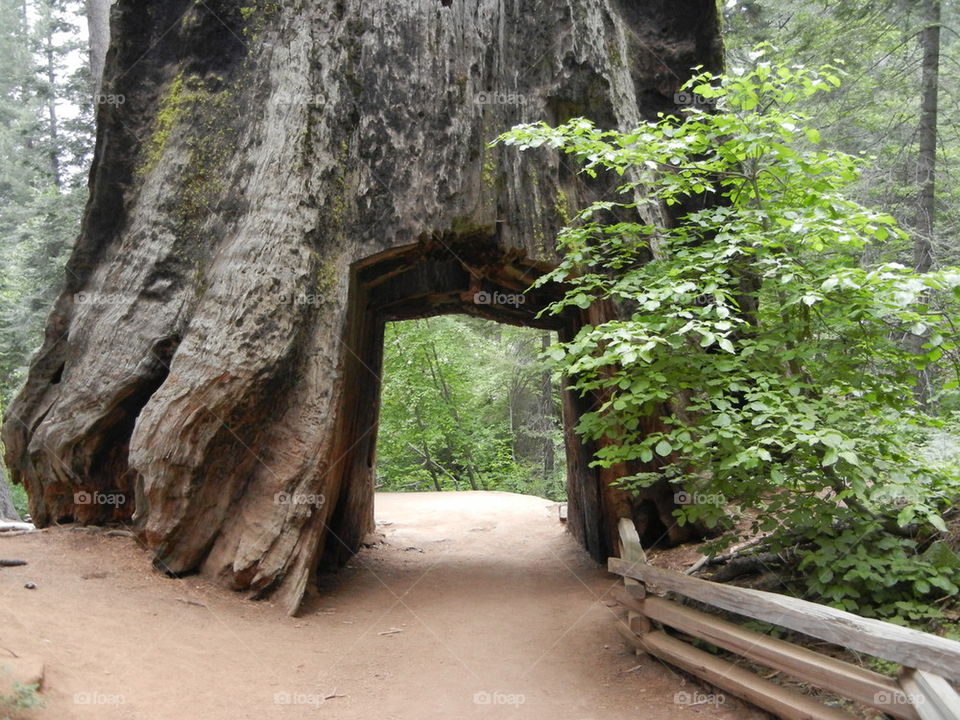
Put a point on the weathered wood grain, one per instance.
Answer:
(906, 646)
(823, 671)
(782, 702)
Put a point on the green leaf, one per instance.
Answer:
(850, 457)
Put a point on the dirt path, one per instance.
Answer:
(474, 605)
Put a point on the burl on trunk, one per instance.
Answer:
(280, 180)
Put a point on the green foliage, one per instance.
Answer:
(168, 114)
(756, 326)
(876, 111)
(462, 408)
(46, 139)
(21, 697)
(20, 500)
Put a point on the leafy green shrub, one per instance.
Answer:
(21, 697)
(754, 327)
(20, 500)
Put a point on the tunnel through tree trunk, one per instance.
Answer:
(441, 276)
(281, 180)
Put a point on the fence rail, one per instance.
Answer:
(920, 693)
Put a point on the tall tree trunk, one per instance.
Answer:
(98, 31)
(53, 129)
(277, 186)
(436, 372)
(927, 156)
(547, 413)
(925, 221)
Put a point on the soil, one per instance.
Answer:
(465, 605)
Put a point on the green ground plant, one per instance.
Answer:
(21, 697)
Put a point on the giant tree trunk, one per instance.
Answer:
(280, 182)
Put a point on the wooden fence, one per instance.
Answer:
(920, 693)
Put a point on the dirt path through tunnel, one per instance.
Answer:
(470, 605)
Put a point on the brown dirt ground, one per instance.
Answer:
(499, 613)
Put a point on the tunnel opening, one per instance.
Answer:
(441, 276)
(469, 404)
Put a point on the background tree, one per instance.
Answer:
(98, 32)
(889, 52)
(925, 223)
(895, 107)
(45, 144)
(467, 404)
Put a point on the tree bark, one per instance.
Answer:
(927, 155)
(278, 184)
(98, 32)
(925, 222)
(50, 72)
(7, 509)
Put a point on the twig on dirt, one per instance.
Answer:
(333, 695)
(119, 533)
(697, 565)
(190, 602)
(9, 651)
(12, 563)
(391, 631)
